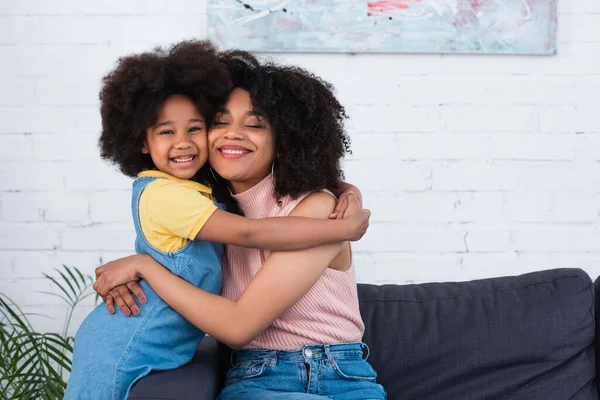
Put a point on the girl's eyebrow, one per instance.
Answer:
(164, 123)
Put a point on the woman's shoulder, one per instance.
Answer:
(316, 205)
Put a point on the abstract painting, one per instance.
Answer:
(387, 26)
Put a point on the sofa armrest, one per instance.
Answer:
(200, 379)
(597, 325)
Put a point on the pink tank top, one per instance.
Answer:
(327, 314)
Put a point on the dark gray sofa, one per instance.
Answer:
(526, 337)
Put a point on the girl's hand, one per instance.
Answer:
(122, 296)
(342, 204)
(115, 273)
(357, 217)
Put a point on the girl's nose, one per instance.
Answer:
(183, 141)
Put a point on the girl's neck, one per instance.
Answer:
(258, 200)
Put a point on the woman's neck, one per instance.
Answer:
(258, 200)
(241, 187)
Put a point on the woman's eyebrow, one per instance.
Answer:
(250, 113)
(261, 117)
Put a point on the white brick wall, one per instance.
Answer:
(473, 166)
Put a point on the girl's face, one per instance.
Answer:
(241, 143)
(177, 142)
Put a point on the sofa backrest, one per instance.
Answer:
(524, 337)
(597, 315)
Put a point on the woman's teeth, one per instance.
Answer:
(228, 151)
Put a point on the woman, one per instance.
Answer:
(294, 315)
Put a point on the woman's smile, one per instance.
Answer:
(232, 152)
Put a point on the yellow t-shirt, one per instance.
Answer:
(172, 211)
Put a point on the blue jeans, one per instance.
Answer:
(337, 371)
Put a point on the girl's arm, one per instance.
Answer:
(282, 233)
(173, 209)
(282, 281)
(342, 192)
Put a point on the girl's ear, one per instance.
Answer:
(145, 149)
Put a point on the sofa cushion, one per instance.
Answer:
(198, 380)
(525, 337)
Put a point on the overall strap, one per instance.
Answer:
(138, 187)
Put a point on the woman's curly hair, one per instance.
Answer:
(133, 93)
(305, 117)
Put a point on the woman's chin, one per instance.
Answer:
(232, 176)
(241, 176)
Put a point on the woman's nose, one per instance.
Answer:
(233, 133)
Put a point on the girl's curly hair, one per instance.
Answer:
(306, 120)
(134, 92)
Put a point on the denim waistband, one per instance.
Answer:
(309, 352)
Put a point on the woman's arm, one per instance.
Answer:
(283, 279)
(282, 233)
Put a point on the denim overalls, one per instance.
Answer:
(114, 351)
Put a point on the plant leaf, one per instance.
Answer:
(59, 340)
(60, 286)
(6, 308)
(80, 275)
(67, 281)
(57, 295)
(85, 296)
(32, 363)
(73, 277)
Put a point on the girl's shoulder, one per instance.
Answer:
(158, 180)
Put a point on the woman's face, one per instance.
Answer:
(240, 142)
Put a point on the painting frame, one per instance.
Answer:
(523, 27)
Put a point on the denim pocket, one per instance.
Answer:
(354, 370)
(246, 370)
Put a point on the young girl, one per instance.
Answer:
(155, 108)
(294, 315)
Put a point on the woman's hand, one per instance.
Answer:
(117, 272)
(122, 296)
(357, 217)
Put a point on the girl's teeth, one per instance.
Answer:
(183, 159)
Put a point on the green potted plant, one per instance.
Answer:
(33, 364)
